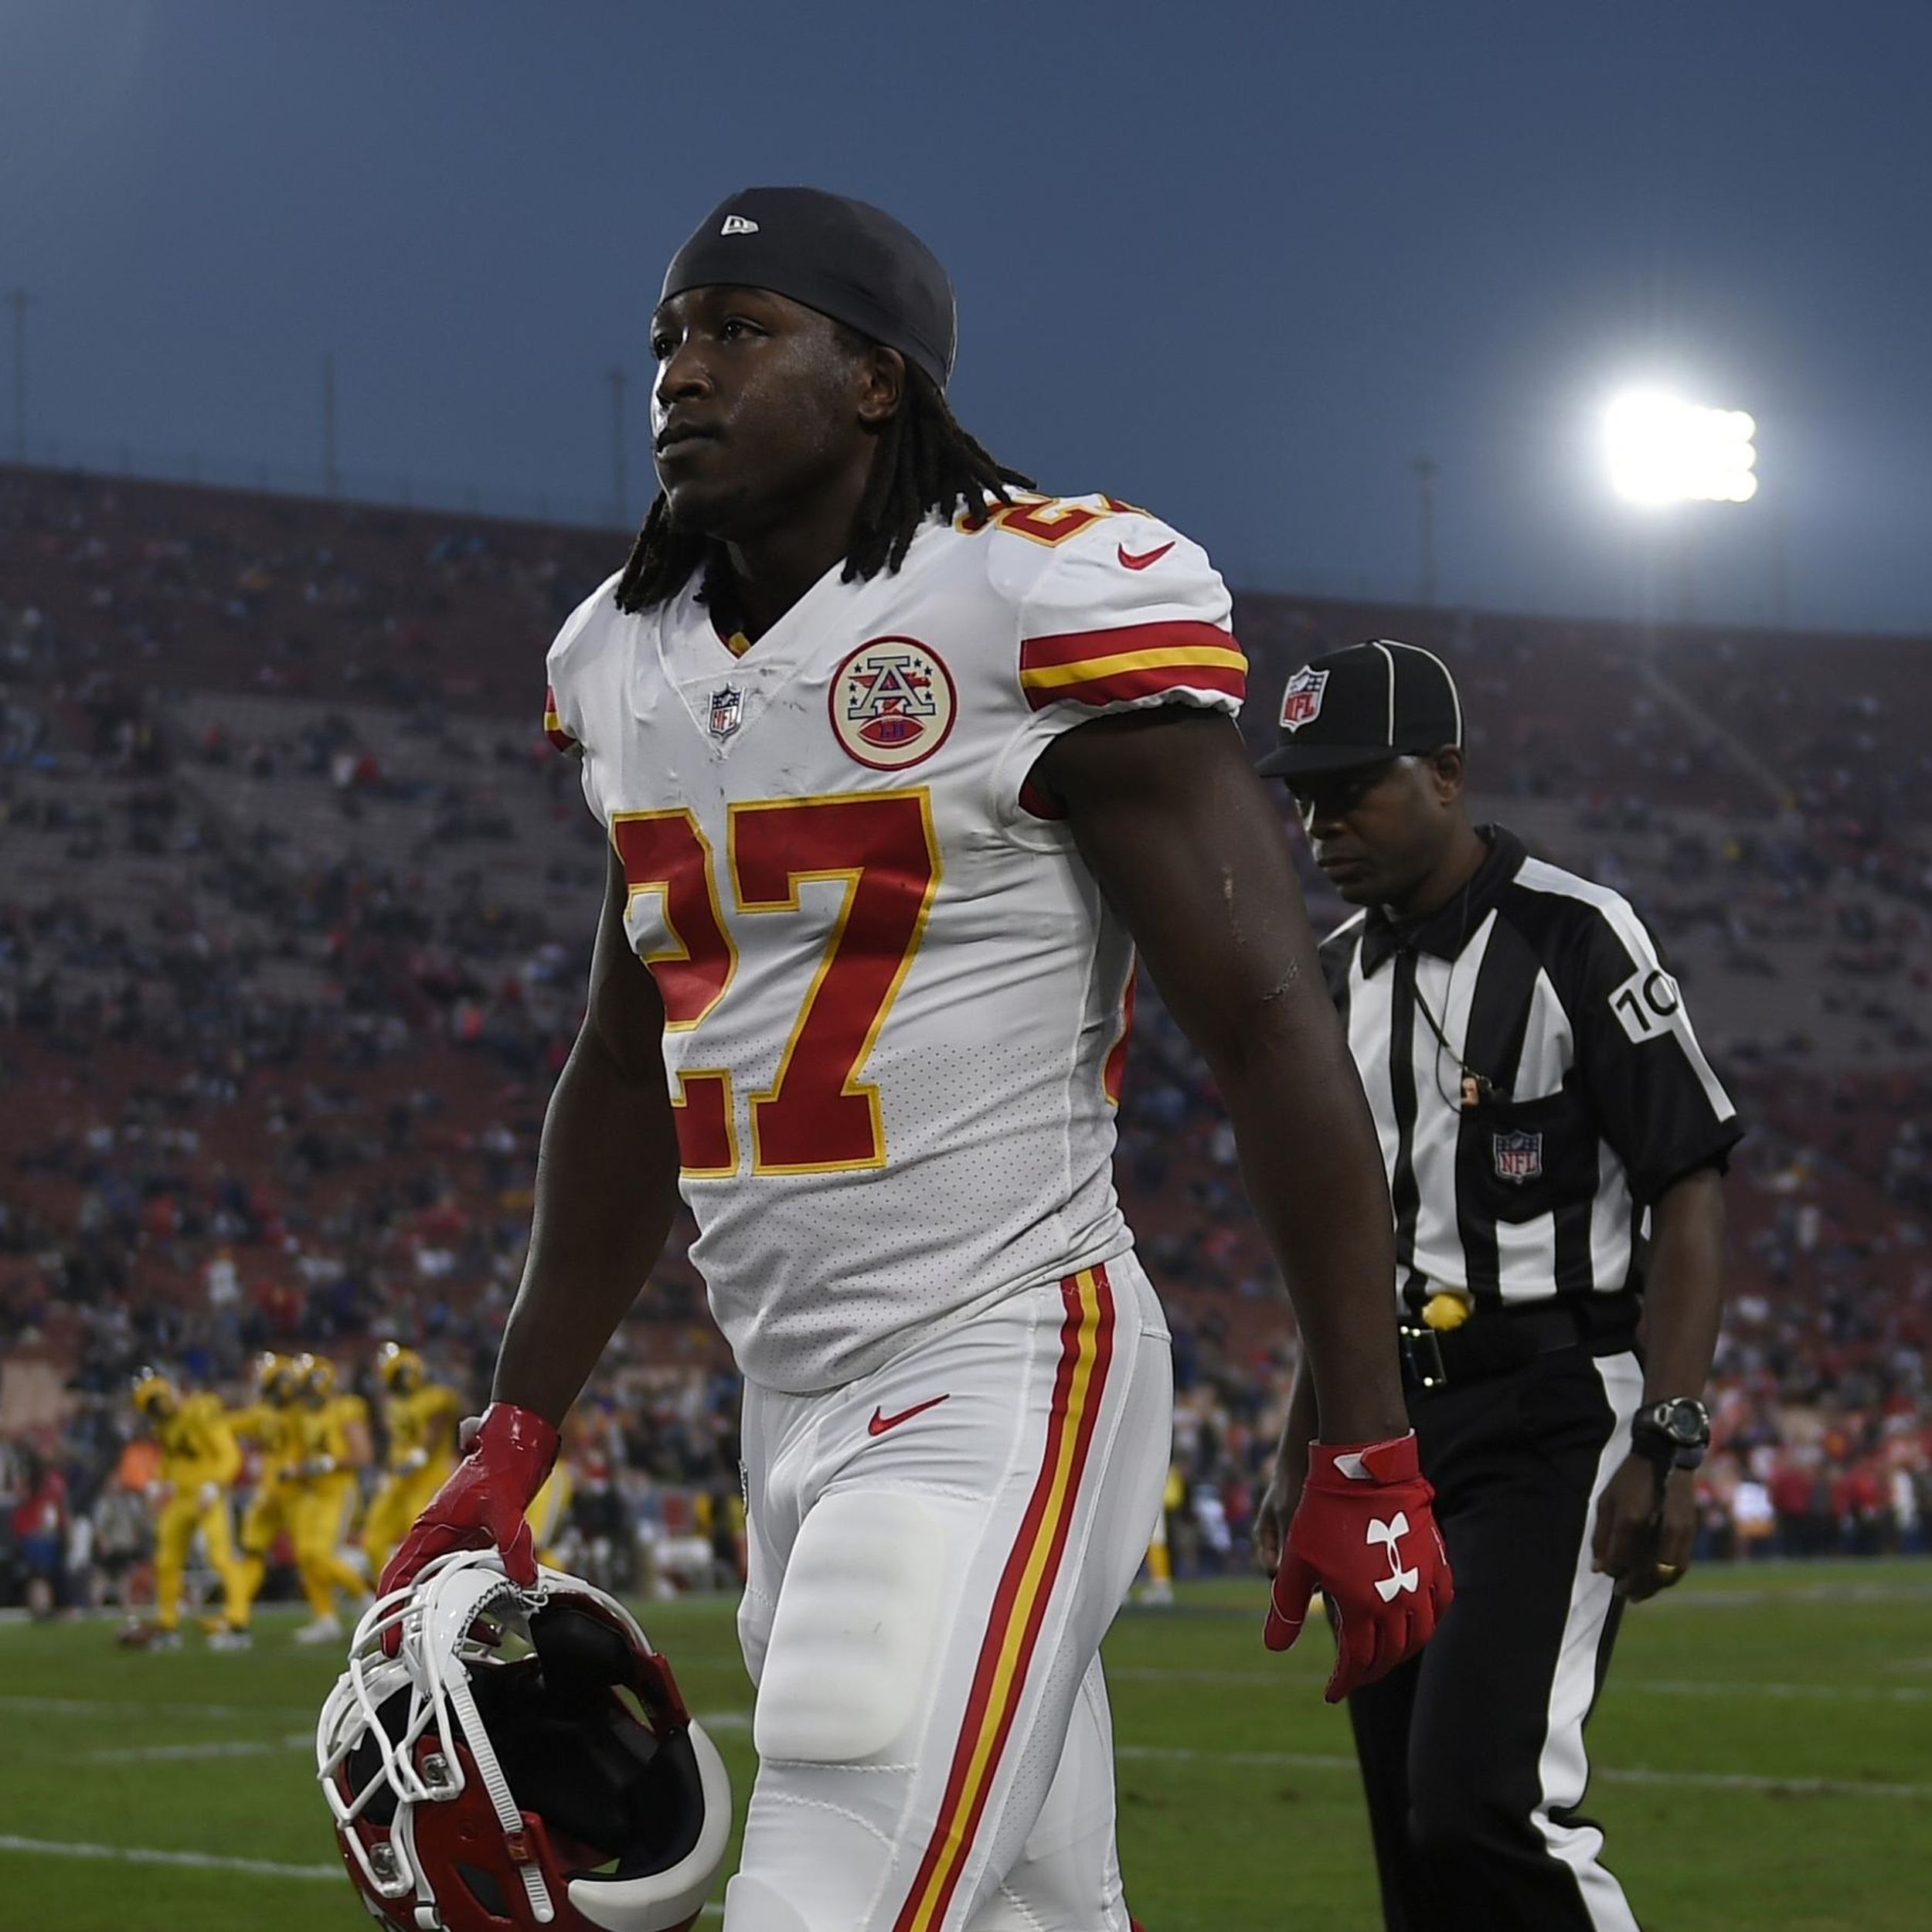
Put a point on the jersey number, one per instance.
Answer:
(817, 1116)
(1645, 1003)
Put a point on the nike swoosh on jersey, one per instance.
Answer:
(881, 1422)
(1130, 561)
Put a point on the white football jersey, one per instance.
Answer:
(895, 1002)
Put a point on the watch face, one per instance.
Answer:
(1686, 1421)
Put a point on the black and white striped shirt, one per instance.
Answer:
(1558, 1093)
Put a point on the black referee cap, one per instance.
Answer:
(845, 258)
(1363, 706)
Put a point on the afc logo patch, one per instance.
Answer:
(1518, 1157)
(1301, 700)
(891, 703)
(727, 711)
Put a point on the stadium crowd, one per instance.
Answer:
(275, 1077)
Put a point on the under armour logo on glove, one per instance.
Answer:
(1357, 1506)
(1398, 1579)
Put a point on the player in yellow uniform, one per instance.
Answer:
(199, 1461)
(334, 1434)
(1158, 1588)
(549, 1509)
(272, 1422)
(419, 1418)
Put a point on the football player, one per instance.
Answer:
(199, 1461)
(899, 760)
(419, 1421)
(333, 1430)
(271, 1422)
(549, 1511)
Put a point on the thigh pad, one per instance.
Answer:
(855, 1629)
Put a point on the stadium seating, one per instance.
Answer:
(295, 906)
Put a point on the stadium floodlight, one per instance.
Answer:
(1663, 450)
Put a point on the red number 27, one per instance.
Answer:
(817, 1116)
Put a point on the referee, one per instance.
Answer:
(1555, 1142)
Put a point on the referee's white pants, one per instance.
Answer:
(935, 1553)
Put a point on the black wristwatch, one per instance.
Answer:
(1673, 1433)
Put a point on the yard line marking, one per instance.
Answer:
(198, 1861)
(1832, 1693)
(296, 1741)
(1729, 1598)
(142, 1854)
(82, 1706)
(1656, 1687)
(217, 1747)
(1632, 1774)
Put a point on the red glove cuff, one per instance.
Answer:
(519, 1442)
(1344, 1465)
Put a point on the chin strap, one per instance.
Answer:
(515, 1836)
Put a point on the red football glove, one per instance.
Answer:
(1366, 1536)
(481, 1505)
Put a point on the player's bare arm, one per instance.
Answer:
(1644, 1538)
(606, 1182)
(1184, 842)
(1185, 845)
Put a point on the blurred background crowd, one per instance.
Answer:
(295, 910)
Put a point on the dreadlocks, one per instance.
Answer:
(924, 462)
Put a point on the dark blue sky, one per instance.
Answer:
(1241, 263)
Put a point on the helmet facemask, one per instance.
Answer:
(473, 1788)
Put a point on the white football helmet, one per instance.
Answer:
(565, 1787)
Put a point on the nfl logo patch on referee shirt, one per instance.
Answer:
(1301, 700)
(1518, 1157)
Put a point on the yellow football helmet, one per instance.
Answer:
(316, 1376)
(401, 1369)
(276, 1378)
(155, 1396)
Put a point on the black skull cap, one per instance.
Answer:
(845, 258)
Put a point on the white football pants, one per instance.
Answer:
(936, 1551)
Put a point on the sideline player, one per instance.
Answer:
(199, 1461)
(899, 761)
(419, 1418)
(333, 1427)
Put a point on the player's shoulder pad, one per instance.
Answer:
(1114, 608)
(589, 620)
(577, 645)
(1089, 556)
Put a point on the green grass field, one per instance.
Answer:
(1764, 1755)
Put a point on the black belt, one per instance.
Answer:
(1495, 1340)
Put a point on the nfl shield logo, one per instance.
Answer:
(1520, 1157)
(1301, 701)
(727, 712)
